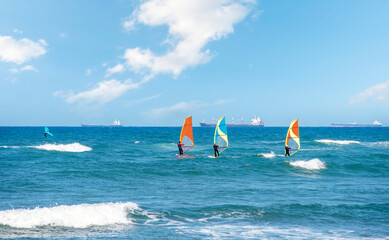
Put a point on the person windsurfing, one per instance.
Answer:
(287, 148)
(215, 149)
(180, 147)
(47, 132)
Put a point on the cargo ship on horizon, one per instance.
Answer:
(116, 123)
(375, 124)
(255, 122)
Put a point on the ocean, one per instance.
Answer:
(128, 183)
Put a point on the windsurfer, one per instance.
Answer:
(287, 148)
(45, 133)
(215, 149)
(180, 147)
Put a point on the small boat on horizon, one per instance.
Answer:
(375, 124)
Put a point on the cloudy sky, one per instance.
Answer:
(155, 62)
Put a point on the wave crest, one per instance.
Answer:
(313, 164)
(340, 142)
(76, 216)
(74, 147)
(268, 155)
(378, 144)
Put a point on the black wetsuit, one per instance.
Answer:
(45, 134)
(215, 148)
(180, 148)
(287, 148)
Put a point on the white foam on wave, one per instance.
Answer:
(268, 155)
(313, 164)
(222, 231)
(76, 216)
(136, 142)
(316, 149)
(9, 147)
(74, 147)
(340, 142)
(378, 144)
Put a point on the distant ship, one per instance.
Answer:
(116, 123)
(375, 124)
(255, 122)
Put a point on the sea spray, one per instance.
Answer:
(268, 155)
(197, 198)
(313, 164)
(340, 142)
(74, 147)
(76, 216)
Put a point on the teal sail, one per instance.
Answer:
(48, 132)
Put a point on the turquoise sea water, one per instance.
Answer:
(128, 183)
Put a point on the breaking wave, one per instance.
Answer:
(378, 144)
(74, 147)
(340, 142)
(228, 231)
(313, 164)
(76, 216)
(268, 155)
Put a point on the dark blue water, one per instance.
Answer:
(128, 183)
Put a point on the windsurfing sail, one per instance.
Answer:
(293, 137)
(48, 132)
(186, 136)
(220, 138)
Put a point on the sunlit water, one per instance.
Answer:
(128, 183)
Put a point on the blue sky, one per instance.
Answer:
(155, 62)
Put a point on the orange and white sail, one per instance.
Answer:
(186, 136)
(293, 137)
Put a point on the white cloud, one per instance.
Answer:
(379, 92)
(224, 101)
(43, 42)
(138, 101)
(20, 51)
(129, 24)
(116, 69)
(192, 24)
(62, 35)
(103, 92)
(147, 98)
(29, 68)
(88, 72)
(18, 31)
(177, 109)
(24, 68)
(14, 70)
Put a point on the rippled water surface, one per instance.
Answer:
(128, 183)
